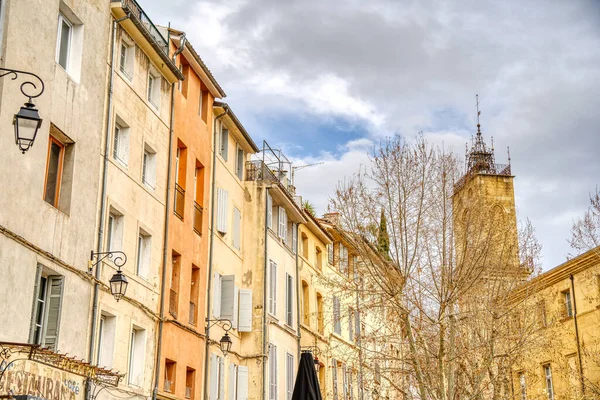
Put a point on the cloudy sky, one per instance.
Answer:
(325, 80)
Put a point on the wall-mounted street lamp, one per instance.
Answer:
(27, 121)
(315, 352)
(118, 282)
(225, 341)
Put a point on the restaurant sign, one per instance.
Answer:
(27, 377)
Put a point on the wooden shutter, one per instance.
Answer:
(221, 378)
(237, 227)
(231, 383)
(216, 295)
(227, 297)
(222, 203)
(53, 304)
(269, 211)
(245, 310)
(213, 377)
(289, 292)
(224, 143)
(242, 383)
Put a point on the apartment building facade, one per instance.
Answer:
(48, 201)
(181, 365)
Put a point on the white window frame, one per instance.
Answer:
(121, 136)
(337, 318)
(144, 254)
(127, 60)
(62, 19)
(567, 299)
(282, 224)
(114, 230)
(149, 167)
(272, 287)
(289, 375)
(549, 381)
(236, 239)
(523, 386)
(136, 362)
(273, 395)
(239, 162)
(269, 211)
(153, 92)
(44, 294)
(224, 143)
(289, 300)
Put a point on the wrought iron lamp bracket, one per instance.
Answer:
(311, 349)
(26, 86)
(226, 324)
(118, 258)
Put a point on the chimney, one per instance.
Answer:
(332, 217)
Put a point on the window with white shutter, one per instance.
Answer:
(345, 381)
(214, 377)
(245, 310)
(272, 372)
(137, 354)
(272, 287)
(289, 374)
(269, 211)
(294, 238)
(232, 382)
(239, 163)
(221, 378)
(46, 310)
(334, 378)
(289, 299)
(229, 299)
(330, 253)
(222, 204)
(337, 323)
(237, 228)
(216, 309)
(282, 230)
(242, 383)
(224, 150)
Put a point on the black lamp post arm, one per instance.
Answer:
(118, 258)
(37, 91)
(226, 323)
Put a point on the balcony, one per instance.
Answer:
(198, 218)
(168, 386)
(173, 298)
(272, 166)
(179, 200)
(192, 313)
(140, 27)
(188, 392)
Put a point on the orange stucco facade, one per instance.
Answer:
(182, 356)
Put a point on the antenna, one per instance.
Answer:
(478, 113)
(303, 166)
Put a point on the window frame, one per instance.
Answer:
(59, 171)
(152, 90)
(549, 381)
(63, 19)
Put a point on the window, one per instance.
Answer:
(305, 304)
(289, 376)
(232, 382)
(217, 377)
(174, 291)
(318, 257)
(330, 254)
(289, 300)
(54, 170)
(199, 197)
(149, 167)
(170, 375)
(121, 142)
(137, 351)
(320, 313)
(228, 299)
(237, 229)
(269, 211)
(343, 259)
(523, 386)
(143, 254)
(154, 89)
(334, 376)
(180, 179)
(567, 301)
(282, 226)
(200, 102)
(242, 383)
(294, 228)
(304, 245)
(345, 381)
(69, 41)
(272, 372)
(194, 292)
(337, 323)
(46, 310)
(114, 231)
(245, 310)
(549, 384)
(190, 377)
(127, 60)
(239, 163)
(224, 149)
(222, 204)
(272, 287)
(106, 340)
(351, 318)
(63, 48)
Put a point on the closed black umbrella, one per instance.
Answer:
(307, 384)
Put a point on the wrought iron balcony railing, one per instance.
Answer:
(137, 12)
(178, 206)
(188, 392)
(198, 218)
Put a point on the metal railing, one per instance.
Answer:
(136, 11)
(198, 218)
(178, 206)
(168, 385)
(173, 302)
(192, 313)
(188, 392)
(496, 169)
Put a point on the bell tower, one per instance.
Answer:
(484, 214)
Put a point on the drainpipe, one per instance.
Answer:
(581, 377)
(103, 195)
(210, 250)
(264, 327)
(297, 292)
(359, 340)
(166, 234)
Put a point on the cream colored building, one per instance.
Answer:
(48, 208)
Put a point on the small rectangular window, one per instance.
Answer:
(289, 376)
(137, 351)
(237, 229)
(330, 254)
(224, 149)
(114, 231)
(106, 341)
(149, 167)
(65, 32)
(143, 254)
(337, 321)
(549, 383)
(273, 372)
(222, 205)
(567, 301)
(289, 300)
(46, 311)
(269, 211)
(127, 60)
(154, 89)
(272, 287)
(239, 163)
(523, 386)
(121, 143)
(54, 168)
(282, 225)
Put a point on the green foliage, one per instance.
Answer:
(383, 239)
(309, 207)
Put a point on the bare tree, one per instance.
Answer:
(441, 281)
(585, 233)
